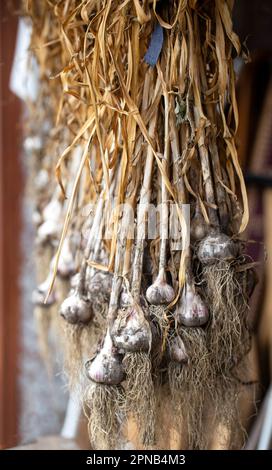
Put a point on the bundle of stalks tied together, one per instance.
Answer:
(145, 116)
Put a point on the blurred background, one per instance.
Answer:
(34, 403)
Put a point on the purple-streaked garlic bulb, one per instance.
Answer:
(160, 293)
(217, 247)
(76, 309)
(131, 331)
(177, 351)
(191, 310)
(107, 367)
(39, 294)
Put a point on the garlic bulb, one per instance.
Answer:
(53, 210)
(131, 331)
(198, 226)
(106, 368)
(66, 264)
(217, 247)
(47, 230)
(177, 351)
(33, 143)
(39, 294)
(191, 310)
(51, 221)
(160, 293)
(42, 180)
(126, 299)
(36, 218)
(76, 309)
(98, 283)
(75, 280)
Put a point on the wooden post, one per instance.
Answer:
(10, 208)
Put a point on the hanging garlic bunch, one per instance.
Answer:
(146, 102)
